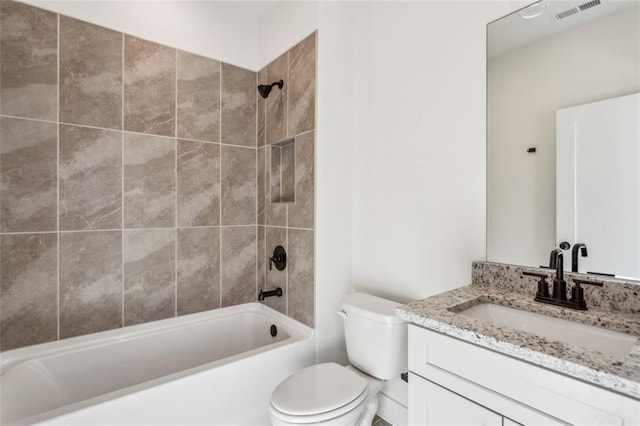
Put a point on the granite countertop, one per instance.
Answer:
(618, 374)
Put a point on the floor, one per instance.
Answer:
(377, 421)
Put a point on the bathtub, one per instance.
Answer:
(216, 367)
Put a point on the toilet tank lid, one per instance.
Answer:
(371, 307)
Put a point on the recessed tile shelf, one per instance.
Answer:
(283, 171)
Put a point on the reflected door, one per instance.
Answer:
(598, 183)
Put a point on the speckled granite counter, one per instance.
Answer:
(438, 313)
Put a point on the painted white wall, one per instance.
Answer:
(334, 175)
(586, 64)
(282, 27)
(223, 30)
(419, 157)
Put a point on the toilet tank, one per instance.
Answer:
(376, 339)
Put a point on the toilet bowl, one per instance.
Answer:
(326, 394)
(331, 394)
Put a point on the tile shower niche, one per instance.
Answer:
(283, 168)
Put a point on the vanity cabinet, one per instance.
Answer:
(454, 382)
(431, 404)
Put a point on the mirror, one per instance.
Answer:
(544, 62)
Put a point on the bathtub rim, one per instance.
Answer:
(299, 334)
(12, 357)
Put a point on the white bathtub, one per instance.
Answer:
(216, 367)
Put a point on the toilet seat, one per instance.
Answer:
(319, 393)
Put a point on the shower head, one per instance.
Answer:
(265, 89)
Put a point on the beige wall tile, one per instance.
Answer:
(288, 173)
(90, 282)
(149, 275)
(90, 74)
(262, 258)
(224, 191)
(28, 171)
(262, 105)
(301, 213)
(302, 86)
(239, 247)
(198, 183)
(198, 97)
(262, 182)
(276, 114)
(275, 237)
(239, 91)
(28, 289)
(90, 178)
(198, 270)
(238, 186)
(149, 87)
(301, 276)
(28, 61)
(149, 181)
(275, 214)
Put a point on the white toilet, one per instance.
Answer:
(329, 393)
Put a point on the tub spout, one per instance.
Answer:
(263, 294)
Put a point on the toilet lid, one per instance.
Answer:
(318, 389)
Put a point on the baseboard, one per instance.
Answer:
(392, 411)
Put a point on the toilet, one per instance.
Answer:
(330, 393)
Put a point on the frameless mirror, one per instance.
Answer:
(563, 134)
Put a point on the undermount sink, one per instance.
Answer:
(589, 337)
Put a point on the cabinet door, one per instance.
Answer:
(430, 404)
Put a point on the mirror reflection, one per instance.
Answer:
(563, 134)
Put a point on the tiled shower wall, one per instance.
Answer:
(285, 114)
(128, 180)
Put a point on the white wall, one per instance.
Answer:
(419, 159)
(597, 61)
(334, 179)
(223, 30)
(284, 25)
(281, 28)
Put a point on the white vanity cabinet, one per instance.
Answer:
(456, 382)
(431, 404)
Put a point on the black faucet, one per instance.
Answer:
(559, 292)
(574, 255)
(556, 260)
(264, 294)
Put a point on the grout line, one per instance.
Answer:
(175, 188)
(124, 131)
(220, 186)
(74, 231)
(122, 189)
(257, 191)
(58, 173)
(286, 208)
(280, 171)
(295, 172)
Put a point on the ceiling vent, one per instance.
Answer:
(575, 10)
(567, 13)
(589, 4)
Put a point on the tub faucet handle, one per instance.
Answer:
(279, 258)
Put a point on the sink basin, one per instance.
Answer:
(595, 338)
